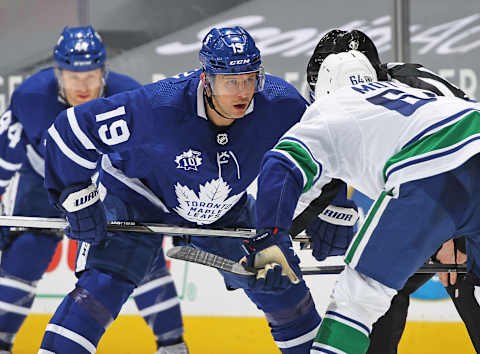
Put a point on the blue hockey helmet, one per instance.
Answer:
(79, 49)
(231, 50)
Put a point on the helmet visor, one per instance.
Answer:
(245, 83)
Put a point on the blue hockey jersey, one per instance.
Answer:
(164, 155)
(33, 108)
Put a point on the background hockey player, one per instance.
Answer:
(388, 330)
(189, 146)
(79, 75)
(416, 151)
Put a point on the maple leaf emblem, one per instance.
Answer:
(210, 205)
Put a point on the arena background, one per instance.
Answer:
(150, 40)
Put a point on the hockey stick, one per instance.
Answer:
(194, 255)
(56, 224)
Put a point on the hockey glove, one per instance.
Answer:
(271, 253)
(84, 212)
(332, 231)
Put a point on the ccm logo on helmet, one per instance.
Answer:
(239, 62)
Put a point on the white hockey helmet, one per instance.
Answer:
(343, 69)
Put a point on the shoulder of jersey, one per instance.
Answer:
(41, 86)
(42, 82)
(116, 83)
(276, 88)
(174, 91)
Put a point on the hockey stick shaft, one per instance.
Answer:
(125, 226)
(194, 255)
(425, 269)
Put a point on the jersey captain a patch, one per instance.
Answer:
(189, 160)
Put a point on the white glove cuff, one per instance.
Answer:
(339, 215)
(81, 199)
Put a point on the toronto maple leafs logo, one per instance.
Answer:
(210, 205)
(189, 160)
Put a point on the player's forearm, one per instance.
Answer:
(279, 188)
(64, 167)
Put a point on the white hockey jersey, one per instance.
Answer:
(372, 136)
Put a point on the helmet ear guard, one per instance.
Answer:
(343, 69)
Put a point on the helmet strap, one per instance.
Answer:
(208, 94)
(209, 100)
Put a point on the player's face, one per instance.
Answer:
(81, 87)
(232, 93)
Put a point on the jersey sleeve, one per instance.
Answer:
(80, 135)
(12, 147)
(417, 76)
(290, 169)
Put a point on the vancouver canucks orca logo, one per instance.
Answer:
(189, 160)
(211, 203)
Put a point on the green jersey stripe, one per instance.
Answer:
(358, 238)
(444, 138)
(341, 336)
(302, 158)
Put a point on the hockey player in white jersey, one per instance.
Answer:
(414, 152)
(387, 331)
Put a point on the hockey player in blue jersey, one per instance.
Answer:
(416, 151)
(180, 151)
(79, 76)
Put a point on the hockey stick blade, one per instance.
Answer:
(194, 255)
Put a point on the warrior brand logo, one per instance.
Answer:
(86, 198)
(211, 203)
(239, 62)
(189, 160)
